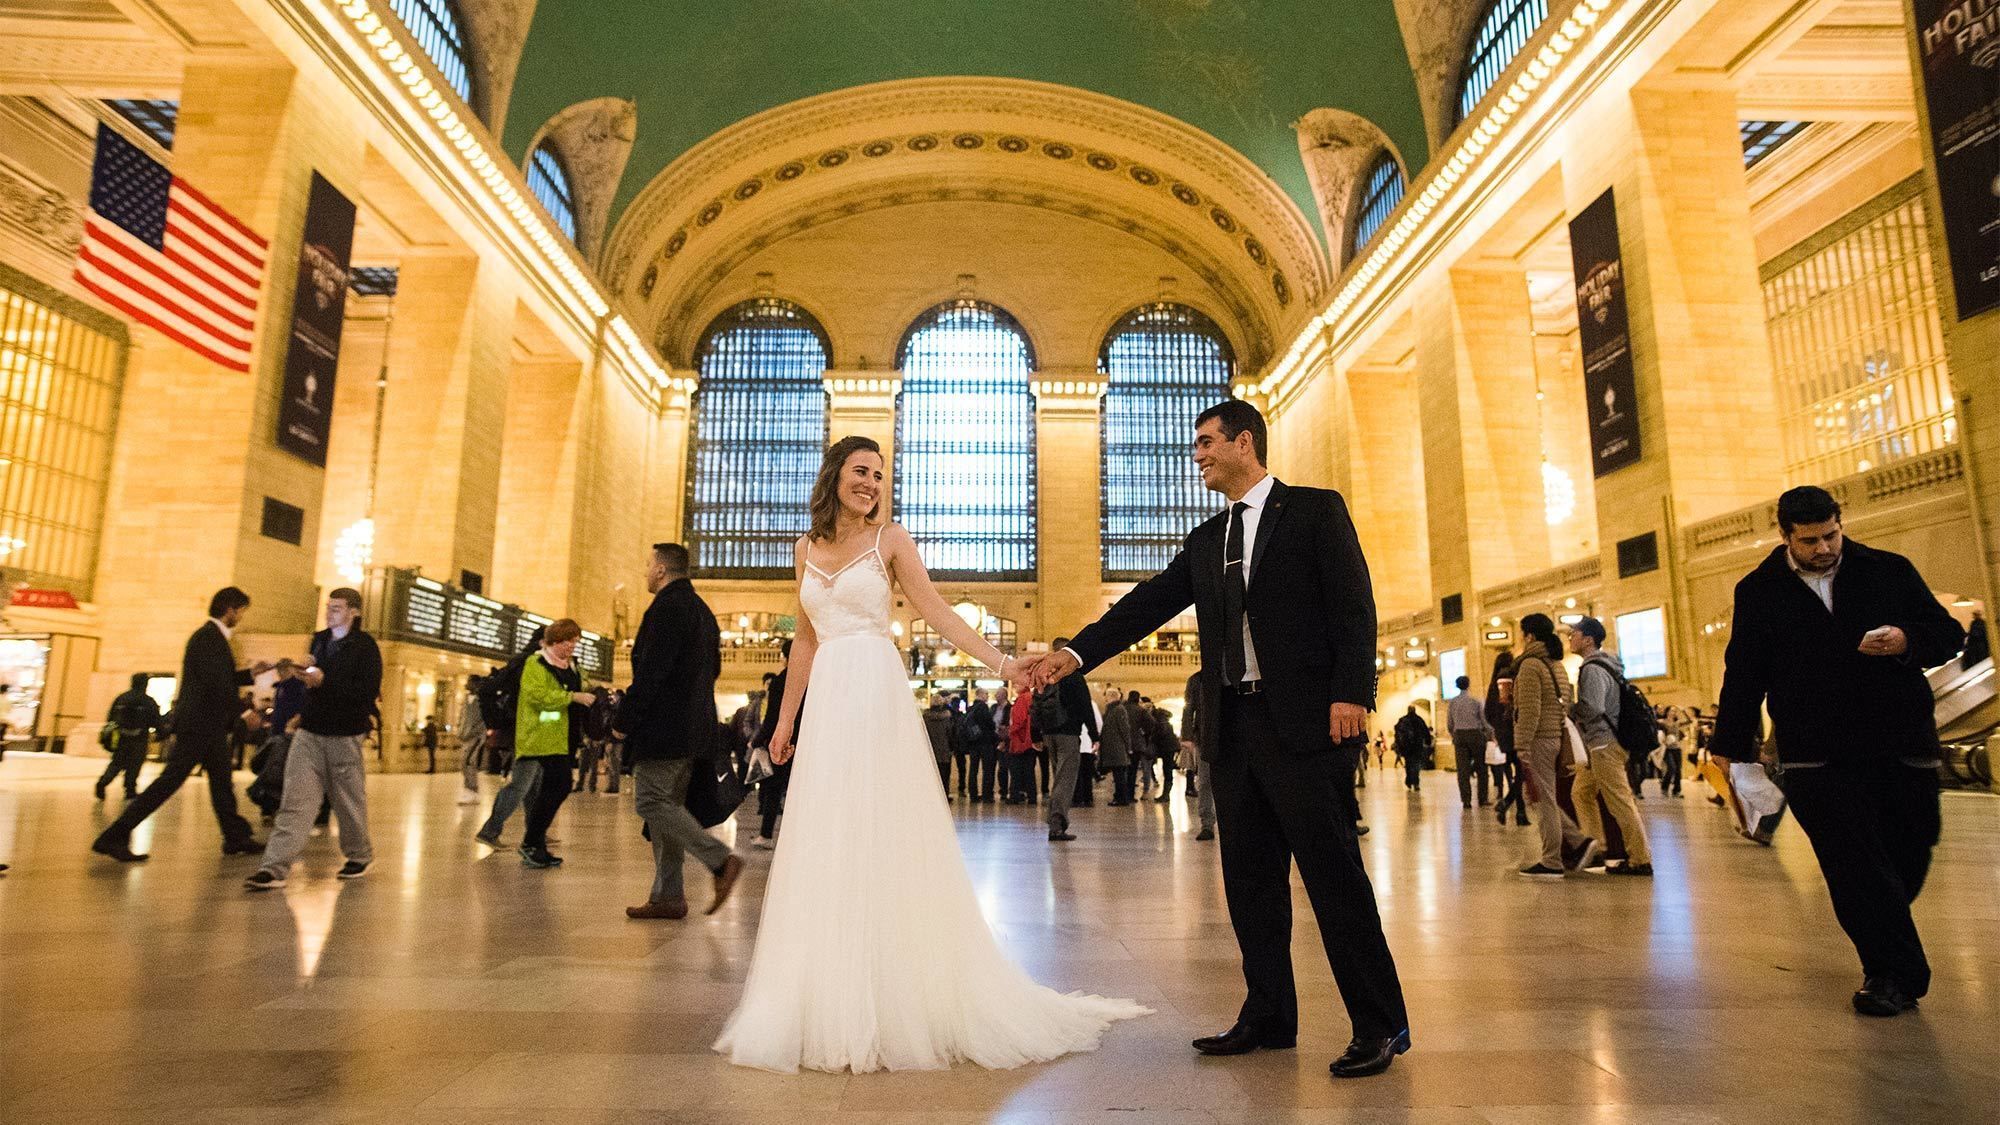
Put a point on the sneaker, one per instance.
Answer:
(1205, 834)
(763, 843)
(264, 881)
(1540, 871)
(490, 839)
(1645, 869)
(468, 796)
(539, 857)
(1587, 856)
(355, 868)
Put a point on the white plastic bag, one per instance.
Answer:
(1494, 755)
(1577, 753)
(1763, 803)
(760, 766)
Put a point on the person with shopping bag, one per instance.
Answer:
(1834, 637)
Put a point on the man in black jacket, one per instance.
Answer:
(771, 791)
(204, 713)
(1287, 622)
(669, 724)
(133, 718)
(1072, 713)
(1834, 637)
(343, 679)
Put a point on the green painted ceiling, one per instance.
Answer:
(1243, 70)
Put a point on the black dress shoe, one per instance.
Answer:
(1061, 836)
(119, 850)
(1880, 996)
(1243, 1039)
(1364, 1057)
(248, 845)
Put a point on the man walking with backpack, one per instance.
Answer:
(1604, 703)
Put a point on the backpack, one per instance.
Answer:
(1049, 714)
(497, 698)
(1635, 728)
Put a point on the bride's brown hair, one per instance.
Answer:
(825, 506)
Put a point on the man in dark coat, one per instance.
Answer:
(133, 718)
(204, 713)
(669, 724)
(1287, 621)
(1834, 638)
(1413, 742)
(771, 791)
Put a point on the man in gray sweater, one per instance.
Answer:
(1598, 685)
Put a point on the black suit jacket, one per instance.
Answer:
(1310, 607)
(208, 703)
(669, 711)
(1828, 702)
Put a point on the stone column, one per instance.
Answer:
(535, 538)
(1706, 393)
(863, 404)
(1068, 470)
(1387, 497)
(196, 450)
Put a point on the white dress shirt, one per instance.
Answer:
(1252, 515)
(1819, 582)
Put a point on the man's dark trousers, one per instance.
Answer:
(211, 752)
(1873, 826)
(1469, 747)
(1274, 807)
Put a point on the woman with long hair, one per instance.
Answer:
(872, 953)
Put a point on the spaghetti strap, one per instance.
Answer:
(878, 537)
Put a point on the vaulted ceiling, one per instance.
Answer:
(1242, 70)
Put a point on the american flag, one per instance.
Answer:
(165, 255)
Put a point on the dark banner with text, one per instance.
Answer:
(1959, 41)
(305, 414)
(1610, 393)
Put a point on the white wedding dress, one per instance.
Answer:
(872, 953)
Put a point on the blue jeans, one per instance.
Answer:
(521, 787)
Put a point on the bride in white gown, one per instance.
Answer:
(872, 953)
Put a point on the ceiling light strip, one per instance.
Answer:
(438, 115)
(1452, 180)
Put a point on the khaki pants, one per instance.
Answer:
(1606, 778)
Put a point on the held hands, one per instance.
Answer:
(1346, 720)
(1886, 641)
(1042, 670)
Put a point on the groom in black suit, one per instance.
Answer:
(1287, 621)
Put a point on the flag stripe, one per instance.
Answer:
(144, 290)
(229, 292)
(255, 244)
(138, 258)
(180, 216)
(117, 298)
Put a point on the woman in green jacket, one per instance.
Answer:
(548, 726)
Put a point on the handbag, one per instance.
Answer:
(1577, 753)
(1494, 755)
(713, 798)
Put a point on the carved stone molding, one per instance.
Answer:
(1338, 147)
(496, 32)
(1437, 35)
(46, 215)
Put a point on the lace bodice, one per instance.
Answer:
(851, 601)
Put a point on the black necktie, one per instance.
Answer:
(1233, 662)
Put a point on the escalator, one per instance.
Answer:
(1967, 706)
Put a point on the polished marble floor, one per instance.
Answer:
(453, 985)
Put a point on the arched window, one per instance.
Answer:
(965, 443)
(1382, 191)
(549, 180)
(1508, 26)
(1165, 364)
(438, 29)
(759, 433)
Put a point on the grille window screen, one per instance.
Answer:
(759, 433)
(436, 27)
(1762, 138)
(965, 443)
(1383, 191)
(1165, 364)
(1853, 317)
(549, 181)
(1508, 26)
(60, 374)
(153, 117)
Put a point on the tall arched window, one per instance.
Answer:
(1380, 193)
(1507, 27)
(1165, 364)
(549, 181)
(439, 30)
(759, 433)
(965, 443)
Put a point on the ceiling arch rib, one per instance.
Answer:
(974, 140)
(594, 140)
(1338, 148)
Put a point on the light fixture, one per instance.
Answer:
(1963, 603)
(354, 550)
(969, 613)
(1569, 603)
(1558, 494)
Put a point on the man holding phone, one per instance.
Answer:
(1835, 636)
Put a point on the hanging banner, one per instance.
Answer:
(1959, 42)
(1611, 398)
(319, 305)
